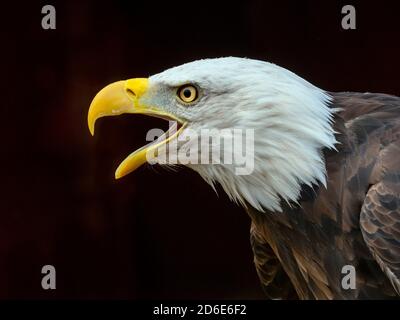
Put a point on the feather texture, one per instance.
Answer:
(324, 192)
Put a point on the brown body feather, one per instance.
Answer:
(300, 252)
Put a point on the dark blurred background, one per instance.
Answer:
(153, 234)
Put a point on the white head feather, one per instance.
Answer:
(291, 118)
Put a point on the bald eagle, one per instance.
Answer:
(324, 191)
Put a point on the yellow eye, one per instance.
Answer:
(187, 93)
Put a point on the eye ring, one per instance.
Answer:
(187, 93)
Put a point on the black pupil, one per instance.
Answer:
(187, 93)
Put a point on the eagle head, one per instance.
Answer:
(288, 119)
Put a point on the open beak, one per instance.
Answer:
(125, 97)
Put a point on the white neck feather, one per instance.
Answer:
(293, 123)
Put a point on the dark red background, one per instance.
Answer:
(153, 234)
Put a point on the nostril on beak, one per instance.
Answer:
(130, 93)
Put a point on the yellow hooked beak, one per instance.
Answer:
(125, 97)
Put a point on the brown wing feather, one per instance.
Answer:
(309, 244)
(274, 281)
(380, 225)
